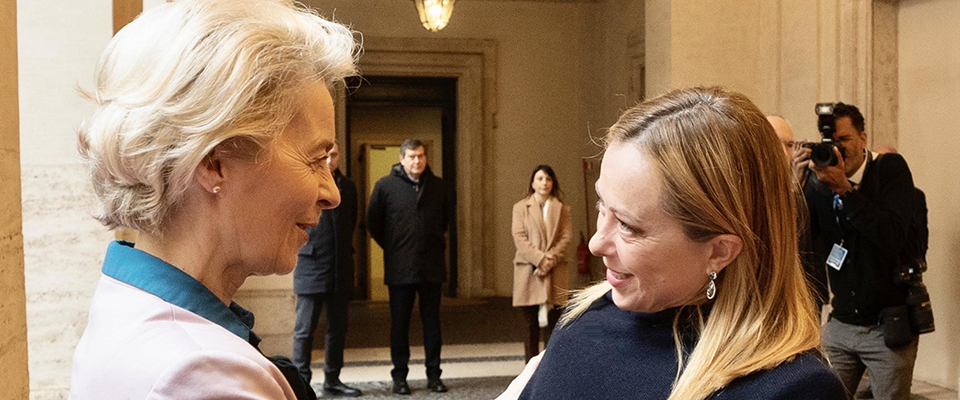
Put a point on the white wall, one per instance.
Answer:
(59, 43)
(929, 70)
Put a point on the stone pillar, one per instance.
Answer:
(733, 44)
(125, 11)
(883, 128)
(13, 311)
(785, 55)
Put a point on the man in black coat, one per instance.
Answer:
(324, 274)
(860, 212)
(407, 216)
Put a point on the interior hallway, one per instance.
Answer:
(563, 68)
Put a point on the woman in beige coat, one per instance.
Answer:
(541, 232)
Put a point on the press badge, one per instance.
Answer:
(836, 257)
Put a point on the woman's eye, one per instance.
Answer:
(318, 163)
(627, 228)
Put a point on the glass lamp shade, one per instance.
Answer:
(434, 14)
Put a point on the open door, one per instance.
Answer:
(378, 160)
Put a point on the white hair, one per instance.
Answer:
(189, 75)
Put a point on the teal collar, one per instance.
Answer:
(157, 277)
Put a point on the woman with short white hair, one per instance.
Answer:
(210, 137)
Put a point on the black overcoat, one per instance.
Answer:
(408, 220)
(325, 264)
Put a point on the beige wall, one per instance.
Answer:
(545, 80)
(13, 319)
(929, 99)
(732, 43)
(785, 55)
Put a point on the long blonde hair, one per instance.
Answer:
(724, 172)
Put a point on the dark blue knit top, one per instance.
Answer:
(609, 353)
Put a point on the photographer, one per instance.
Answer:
(860, 205)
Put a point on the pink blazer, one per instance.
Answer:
(138, 346)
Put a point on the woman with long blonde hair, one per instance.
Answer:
(705, 296)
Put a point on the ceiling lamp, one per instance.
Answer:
(434, 14)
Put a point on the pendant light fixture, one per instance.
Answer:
(434, 14)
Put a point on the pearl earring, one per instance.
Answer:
(216, 189)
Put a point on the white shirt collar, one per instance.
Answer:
(858, 176)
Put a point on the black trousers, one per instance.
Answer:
(308, 312)
(401, 309)
(532, 345)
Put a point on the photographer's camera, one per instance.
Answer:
(822, 153)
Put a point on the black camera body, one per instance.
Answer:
(822, 153)
(911, 273)
(919, 308)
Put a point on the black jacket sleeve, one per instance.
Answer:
(376, 213)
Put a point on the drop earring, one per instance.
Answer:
(712, 286)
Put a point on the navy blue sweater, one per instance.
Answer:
(609, 353)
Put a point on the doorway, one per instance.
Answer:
(381, 112)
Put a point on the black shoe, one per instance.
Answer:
(436, 386)
(337, 388)
(401, 387)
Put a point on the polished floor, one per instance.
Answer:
(480, 371)
(482, 352)
(470, 371)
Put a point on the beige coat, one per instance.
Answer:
(533, 242)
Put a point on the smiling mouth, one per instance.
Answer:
(618, 275)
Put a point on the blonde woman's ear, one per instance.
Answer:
(723, 250)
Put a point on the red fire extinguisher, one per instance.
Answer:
(583, 257)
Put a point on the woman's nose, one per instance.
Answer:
(329, 195)
(599, 242)
(328, 202)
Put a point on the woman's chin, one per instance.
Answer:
(287, 267)
(632, 303)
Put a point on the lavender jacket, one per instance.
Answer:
(139, 344)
